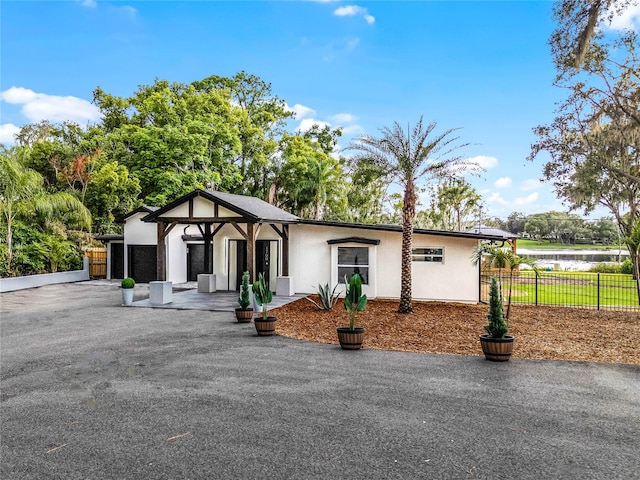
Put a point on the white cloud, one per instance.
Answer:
(40, 106)
(343, 118)
(346, 121)
(17, 95)
(528, 200)
(496, 198)
(530, 184)
(352, 130)
(300, 111)
(307, 123)
(89, 3)
(348, 11)
(8, 132)
(503, 182)
(129, 10)
(352, 10)
(484, 161)
(627, 19)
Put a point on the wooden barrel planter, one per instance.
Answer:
(265, 327)
(350, 339)
(244, 315)
(496, 349)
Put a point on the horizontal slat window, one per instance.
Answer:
(428, 254)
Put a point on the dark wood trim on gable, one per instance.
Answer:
(365, 241)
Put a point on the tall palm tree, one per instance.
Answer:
(22, 194)
(409, 157)
(461, 197)
(322, 176)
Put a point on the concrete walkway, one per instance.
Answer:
(90, 389)
(187, 297)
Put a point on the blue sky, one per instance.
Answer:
(484, 67)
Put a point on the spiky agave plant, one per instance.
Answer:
(328, 298)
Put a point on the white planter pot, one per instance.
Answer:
(127, 296)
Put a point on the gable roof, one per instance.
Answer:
(142, 209)
(250, 208)
(254, 206)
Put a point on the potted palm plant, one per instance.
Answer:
(245, 312)
(127, 285)
(265, 325)
(351, 337)
(496, 344)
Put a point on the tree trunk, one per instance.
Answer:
(408, 217)
(9, 241)
(634, 254)
(509, 298)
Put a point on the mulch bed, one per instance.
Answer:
(549, 333)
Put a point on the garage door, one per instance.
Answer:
(142, 263)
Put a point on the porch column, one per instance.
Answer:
(285, 250)
(207, 244)
(284, 234)
(161, 267)
(161, 250)
(251, 251)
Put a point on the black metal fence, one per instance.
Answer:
(569, 289)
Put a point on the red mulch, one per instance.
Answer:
(550, 333)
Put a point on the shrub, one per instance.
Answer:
(244, 300)
(605, 268)
(496, 327)
(128, 282)
(627, 267)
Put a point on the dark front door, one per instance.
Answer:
(241, 261)
(263, 260)
(195, 261)
(142, 263)
(117, 260)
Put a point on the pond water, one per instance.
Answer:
(572, 260)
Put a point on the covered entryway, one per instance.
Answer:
(212, 212)
(267, 260)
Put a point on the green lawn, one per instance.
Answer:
(546, 245)
(573, 288)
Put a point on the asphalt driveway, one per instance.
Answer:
(92, 390)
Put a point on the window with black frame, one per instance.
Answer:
(353, 260)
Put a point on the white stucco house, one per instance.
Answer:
(224, 234)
